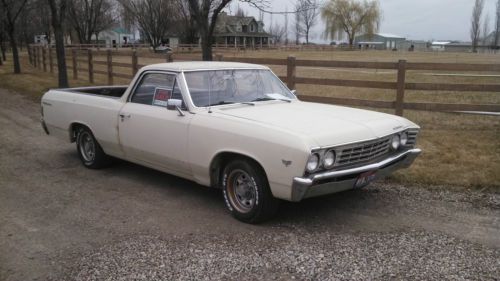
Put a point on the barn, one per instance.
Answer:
(378, 41)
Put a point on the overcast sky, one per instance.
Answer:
(413, 19)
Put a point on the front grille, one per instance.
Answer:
(362, 152)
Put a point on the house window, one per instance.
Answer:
(245, 28)
(252, 28)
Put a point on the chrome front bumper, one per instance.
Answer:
(336, 181)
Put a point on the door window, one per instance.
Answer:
(155, 89)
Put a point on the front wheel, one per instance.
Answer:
(89, 150)
(246, 192)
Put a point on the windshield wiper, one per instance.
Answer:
(232, 102)
(266, 99)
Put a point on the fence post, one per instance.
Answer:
(134, 62)
(30, 56)
(75, 64)
(110, 66)
(33, 51)
(400, 92)
(91, 65)
(169, 57)
(290, 72)
(44, 59)
(51, 61)
(39, 57)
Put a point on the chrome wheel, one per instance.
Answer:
(242, 190)
(87, 146)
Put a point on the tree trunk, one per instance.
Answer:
(15, 53)
(206, 46)
(61, 57)
(2, 49)
(351, 42)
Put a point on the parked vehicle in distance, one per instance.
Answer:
(232, 126)
(163, 49)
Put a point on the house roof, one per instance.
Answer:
(385, 35)
(121, 30)
(389, 35)
(440, 43)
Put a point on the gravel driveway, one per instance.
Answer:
(61, 221)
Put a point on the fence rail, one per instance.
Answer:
(44, 59)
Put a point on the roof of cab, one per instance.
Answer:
(202, 65)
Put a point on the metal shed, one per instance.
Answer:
(378, 41)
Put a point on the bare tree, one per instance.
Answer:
(205, 14)
(3, 57)
(89, 17)
(298, 31)
(307, 13)
(277, 31)
(154, 18)
(240, 12)
(58, 15)
(186, 23)
(496, 37)
(350, 17)
(475, 29)
(11, 9)
(486, 29)
(286, 26)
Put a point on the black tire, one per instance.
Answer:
(241, 181)
(91, 157)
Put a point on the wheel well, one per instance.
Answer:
(73, 128)
(222, 159)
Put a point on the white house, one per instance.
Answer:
(41, 39)
(115, 37)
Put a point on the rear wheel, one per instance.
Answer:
(89, 150)
(246, 192)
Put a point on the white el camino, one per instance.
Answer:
(232, 126)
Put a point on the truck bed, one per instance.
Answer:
(105, 91)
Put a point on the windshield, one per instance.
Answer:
(217, 87)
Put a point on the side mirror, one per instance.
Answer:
(175, 104)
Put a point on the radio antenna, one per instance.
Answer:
(209, 93)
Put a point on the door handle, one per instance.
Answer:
(124, 116)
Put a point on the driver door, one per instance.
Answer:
(150, 134)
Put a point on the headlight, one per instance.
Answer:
(329, 159)
(395, 142)
(312, 162)
(404, 138)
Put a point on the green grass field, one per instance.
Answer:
(460, 150)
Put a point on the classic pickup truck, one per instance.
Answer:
(232, 126)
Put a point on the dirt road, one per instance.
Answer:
(59, 220)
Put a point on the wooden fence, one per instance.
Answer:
(43, 58)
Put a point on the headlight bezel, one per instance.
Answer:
(326, 157)
(318, 162)
(395, 142)
(403, 138)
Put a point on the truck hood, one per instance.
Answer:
(326, 125)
